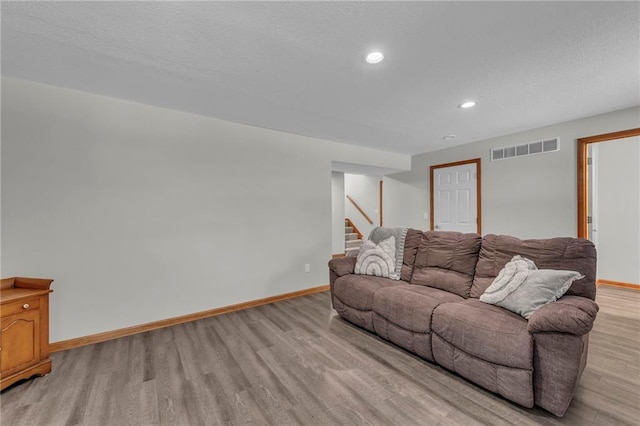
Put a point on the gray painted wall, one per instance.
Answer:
(141, 213)
(528, 197)
(337, 212)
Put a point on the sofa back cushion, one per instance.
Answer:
(565, 253)
(411, 244)
(447, 260)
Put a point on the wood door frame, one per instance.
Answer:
(583, 195)
(432, 169)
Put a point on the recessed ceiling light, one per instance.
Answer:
(468, 104)
(374, 57)
(449, 137)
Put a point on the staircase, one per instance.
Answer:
(352, 239)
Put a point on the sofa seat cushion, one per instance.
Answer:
(487, 332)
(357, 291)
(402, 315)
(411, 306)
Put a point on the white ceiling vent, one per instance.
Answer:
(537, 147)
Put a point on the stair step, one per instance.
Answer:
(349, 237)
(353, 244)
(351, 252)
(348, 230)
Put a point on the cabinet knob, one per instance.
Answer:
(25, 306)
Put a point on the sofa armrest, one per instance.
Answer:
(343, 265)
(569, 314)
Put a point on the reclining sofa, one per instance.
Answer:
(434, 311)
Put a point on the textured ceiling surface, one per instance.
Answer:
(298, 66)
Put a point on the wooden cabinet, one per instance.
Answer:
(24, 329)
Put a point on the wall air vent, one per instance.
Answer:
(537, 147)
(550, 145)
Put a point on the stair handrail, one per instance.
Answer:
(368, 219)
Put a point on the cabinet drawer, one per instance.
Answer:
(21, 306)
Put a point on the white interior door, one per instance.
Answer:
(455, 198)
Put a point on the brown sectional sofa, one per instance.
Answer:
(434, 312)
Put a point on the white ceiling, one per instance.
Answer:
(298, 66)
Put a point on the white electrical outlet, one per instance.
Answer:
(426, 216)
(307, 268)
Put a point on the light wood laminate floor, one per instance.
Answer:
(295, 362)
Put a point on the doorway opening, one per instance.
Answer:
(609, 204)
(583, 178)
